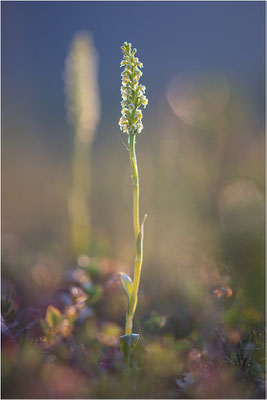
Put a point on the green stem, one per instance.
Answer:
(80, 194)
(136, 224)
(135, 179)
(128, 324)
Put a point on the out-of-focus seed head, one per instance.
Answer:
(132, 92)
(82, 94)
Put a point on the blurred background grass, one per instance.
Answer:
(201, 154)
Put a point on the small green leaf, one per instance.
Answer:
(128, 343)
(53, 316)
(127, 284)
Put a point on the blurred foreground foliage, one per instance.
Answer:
(73, 351)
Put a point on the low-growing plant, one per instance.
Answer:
(131, 123)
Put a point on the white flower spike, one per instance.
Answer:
(132, 92)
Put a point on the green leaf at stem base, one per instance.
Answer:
(127, 344)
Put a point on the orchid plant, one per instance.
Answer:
(133, 99)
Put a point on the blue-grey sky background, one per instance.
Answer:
(171, 38)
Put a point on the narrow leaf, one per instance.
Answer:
(139, 241)
(127, 284)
